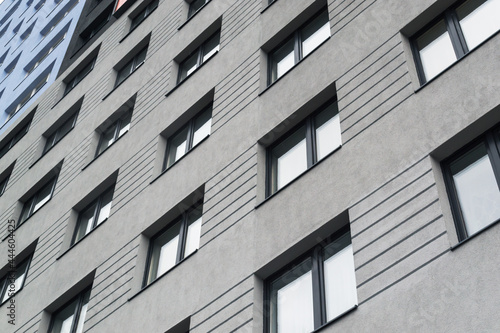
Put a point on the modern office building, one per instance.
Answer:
(255, 166)
(34, 36)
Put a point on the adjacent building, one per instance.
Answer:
(258, 166)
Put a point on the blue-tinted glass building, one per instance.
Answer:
(34, 36)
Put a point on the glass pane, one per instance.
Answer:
(477, 189)
(436, 50)
(327, 127)
(479, 20)
(188, 66)
(85, 222)
(124, 73)
(315, 33)
(26, 210)
(105, 207)
(164, 252)
(51, 140)
(340, 281)
(139, 58)
(193, 232)
(64, 129)
(19, 281)
(107, 139)
(83, 312)
(43, 195)
(289, 158)
(292, 301)
(125, 123)
(282, 60)
(202, 126)
(63, 320)
(195, 6)
(177, 147)
(210, 47)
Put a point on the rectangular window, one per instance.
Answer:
(60, 132)
(180, 239)
(473, 182)
(188, 137)
(13, 281)
(114, 132)
(3, 184)
(70, 317)
(302, 42)
(199, 56)
(80, 76)
(93, 215)
(460, 29)
(315, 290)
(143, 14)
(131, 66)
(195, 6)
(310, 142)
(37, 200)
(15, 139)
(44, 55)
(96, 25)
(28, 95)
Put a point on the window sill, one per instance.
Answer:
(290, 70)
(175, 163)
(456, 62)
(296, 178)
(194, 14)
(159, 277)
(81, 239)
(268, 5)
(335, 319)
(119, 84)
(190, 75)
(454, 247)
(12, 296)
(38, 159)
(24, 222)
(105, 150)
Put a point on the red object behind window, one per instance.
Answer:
(119, 3)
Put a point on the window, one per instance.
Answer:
(143, 14)
(188, 137)
(71, 316)
(195, 6)
(302, 42)
(59, 133)
(459, 30)
(3, 184)
(45, 54)
(93, 215)
(79, 76)
(28, 95)
(131, 66)
(199, 56)
(15, 139)
(310, 142)
(180, 239)
(315, 290)
(13, 281)
(96, 25)
(37, 200)
(473, 182)
(113, 132)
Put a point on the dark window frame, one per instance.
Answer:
(57, 137)
(3, 184)
(199, 62)
(117, 126)
(296, 36)
(192, 11)
(311, 147)
(183, 218)
(98, 205)
(454, 29)
(20, 133)
(491, 139)
(80, 76)
(97, 24)
(190, 125)
(132, 62)
(318, 281)
(76, 315)
(150, 8)
(33, 200)
(5, 279)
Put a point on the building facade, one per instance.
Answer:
(260, 166)
(34, 36)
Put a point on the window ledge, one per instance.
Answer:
(119, 84)
(159, 277)
(296, 178)
(268, 5)
(454, 247)
(133, 29)
(456, 62)
(335, 319)
(24, 222)
(187, 78)
(43, 154)
(81, 239)
(105, 150)
(175, 163)
(194, 14)
(298, 63)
